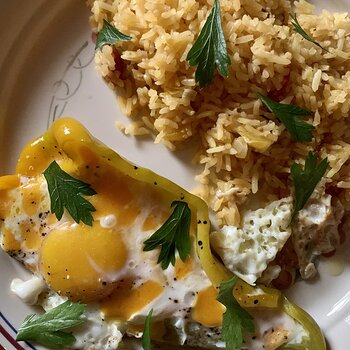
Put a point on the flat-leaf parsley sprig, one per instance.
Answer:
(235, 318)
(289, 115)
(109, 35)
(66, 192)
(209, 50)
(173, 235)
(146, 336)
(47, 329)
(299, 29)
(305, 180)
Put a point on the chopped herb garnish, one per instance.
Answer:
(146, 336)
(298, 29)
(109, 35)
(290, 115)
(235, 318)
(66, 192)
(47, 329)
(173, 235)
(209, 50)
(305, 181)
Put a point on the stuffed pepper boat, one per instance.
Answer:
(117, 251)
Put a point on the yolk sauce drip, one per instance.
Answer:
(9, 243)
(31, 197)
(23, 207)
(31, 236)
(208, 311)
(7, 183)
(182, 268)
(126, 300)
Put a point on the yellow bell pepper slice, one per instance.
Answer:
(315, 339)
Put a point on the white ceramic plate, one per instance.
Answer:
(46, 70)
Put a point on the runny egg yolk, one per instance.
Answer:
(80, 261)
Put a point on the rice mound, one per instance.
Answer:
(241, 150)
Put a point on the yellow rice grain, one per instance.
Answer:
(242, 148)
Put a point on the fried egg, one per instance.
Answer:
(246, 251)
(104, 262)
(104, 265)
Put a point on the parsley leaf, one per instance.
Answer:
(109, 35)
(146, 336)
(306, 180)
(210, 49)
(66, 192)
(235, 318)
(173, 234)
(47, 328)
(298, 29)
(289, 115)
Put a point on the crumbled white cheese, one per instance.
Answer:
(271, 273)
(315, 231)
(246, 251)
(28, 291)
